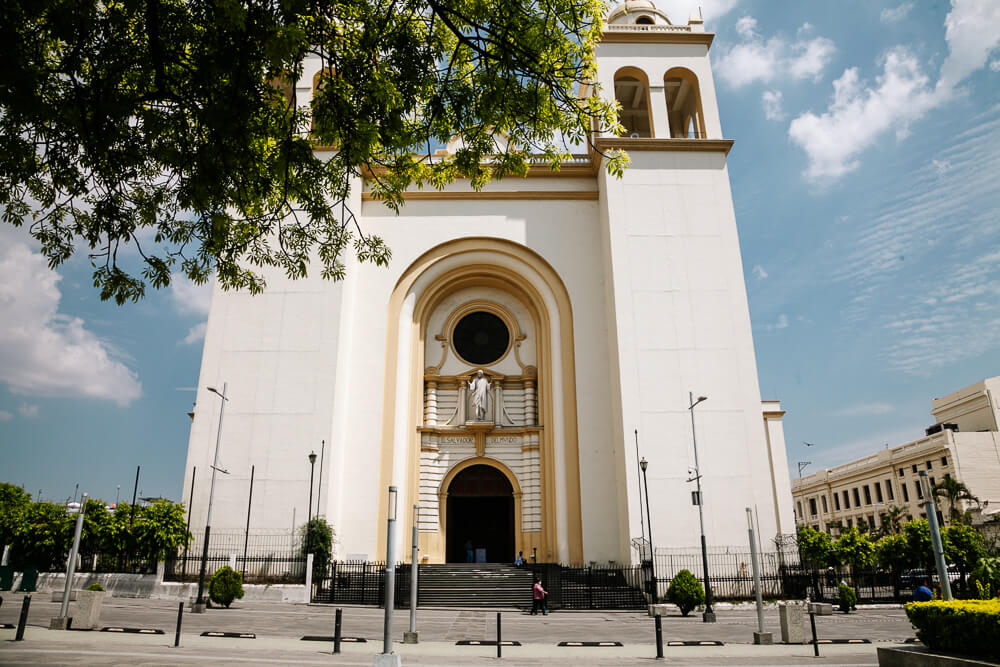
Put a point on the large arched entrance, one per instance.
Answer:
(480, 515)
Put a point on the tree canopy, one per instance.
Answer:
(168, 136)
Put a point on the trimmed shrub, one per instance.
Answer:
(95, 587)
(225, 586)
(848, 598)
(986, 577)
(686, 592)
(969, 627)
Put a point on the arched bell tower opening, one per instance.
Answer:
(480, 516)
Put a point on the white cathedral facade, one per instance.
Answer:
(497, 371)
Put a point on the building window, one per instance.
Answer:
(481, 338)
(947, 476)
(632, 93)
(816, 527)
(933, 484)
(929, 466)
(920, 492)
(888, 489)
(812, 507)
(906, 494)
(644, 20)
(847, 500)
(850, 523)
(799, 505)
(857, 497)
(836, 501)
(868, 495)
(900, 472)
(914, 468)
(683, 104)
(944, 460)
(826, 509)
(878, 492)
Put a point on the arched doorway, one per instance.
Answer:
(480, 514)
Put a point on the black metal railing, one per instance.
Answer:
(262, 558)
(360, 583)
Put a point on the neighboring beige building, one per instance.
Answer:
(964, 443)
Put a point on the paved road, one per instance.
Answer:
(279, 628)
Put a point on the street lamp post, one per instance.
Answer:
(652, 551)
(709, 615)
(199, 605)
(312, 469)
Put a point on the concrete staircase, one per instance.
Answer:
(474, 585)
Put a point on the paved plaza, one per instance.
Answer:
(279, 629)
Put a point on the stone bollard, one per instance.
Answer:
(792, 618)
(657, 610)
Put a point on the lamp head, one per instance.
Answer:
(312, 457)
(643, 463)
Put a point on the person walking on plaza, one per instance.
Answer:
(921, 593)
(538, 596)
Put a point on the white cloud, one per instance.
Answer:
(861, 113)
(5, 416)
(759, 271)
(678, 11)
(773, 104)
(864, 410)
(995, 66)
(895, 14)
(45, 353)
(942, 166)
(782, 322)
(188, 297)
(195, 334)
(27, 410)
(971, 33)
(757, 59)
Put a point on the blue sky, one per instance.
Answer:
(865, 178)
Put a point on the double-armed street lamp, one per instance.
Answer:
(200, 601)
(709, 615)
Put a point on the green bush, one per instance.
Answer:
(225, 586)
(959, 626)
(986, 577)
(686, 592)
(848, 598)
(95, 587)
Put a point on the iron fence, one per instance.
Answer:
(357, 582)
(262, 558)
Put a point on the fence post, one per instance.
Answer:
(590, 588)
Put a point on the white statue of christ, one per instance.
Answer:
(480, 388)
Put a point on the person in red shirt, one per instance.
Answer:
(538, 595)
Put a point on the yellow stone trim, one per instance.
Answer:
(504, 195)
(676, 145)
(516, 285)
(774, 415)
(642, 37)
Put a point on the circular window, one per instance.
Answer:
(481, 338)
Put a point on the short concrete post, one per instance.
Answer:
(792, 618)
(232, 561)
(309, 578)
